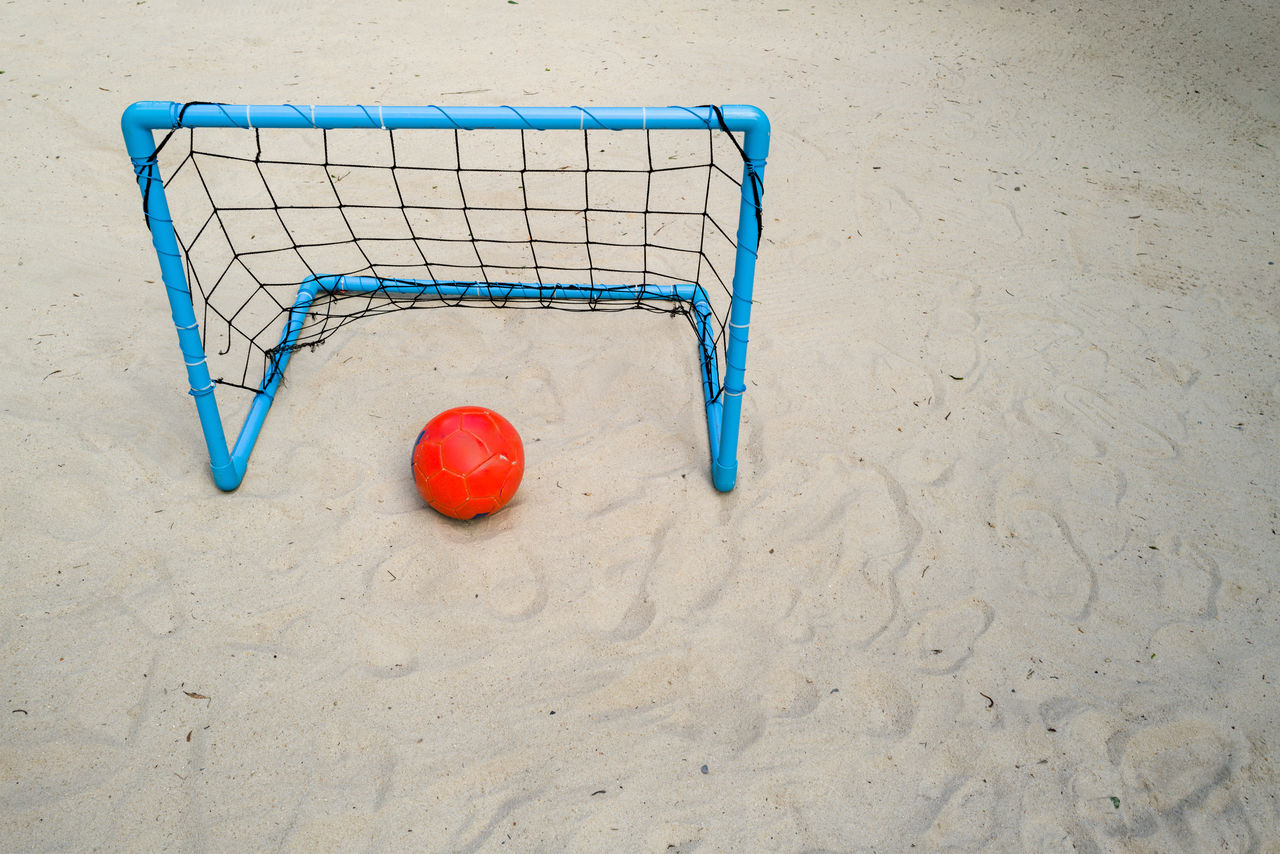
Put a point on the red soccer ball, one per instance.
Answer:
(467, 462)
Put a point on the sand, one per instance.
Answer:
(1001, 569)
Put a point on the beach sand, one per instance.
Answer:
(1000, 572)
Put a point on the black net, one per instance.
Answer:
(258, 212)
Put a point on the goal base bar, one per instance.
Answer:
(229, 465)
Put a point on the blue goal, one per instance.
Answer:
(275, 226)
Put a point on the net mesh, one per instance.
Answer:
(259, 211)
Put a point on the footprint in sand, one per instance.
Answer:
(788, 694)
(1188, 579)
(1045, 833)
(1091, 423)
(895, 382)
(698, 698)
(146, 589)
(636, 616)
(877, 704)
(1176, 765)
(925, 464)
(968, 818)
(836, 541)
(944, 638)
(1168, 784)
(1097, 483)
(684, 576)
(1178, 581)
(1108, 423)
(891, 207)
(618, 607)
(1097, 249)
(1052, 565)
(499, 575)
(1054, 419)
(1039, 542)
(514, 589)
(953, 342)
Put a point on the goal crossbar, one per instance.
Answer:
(723, 385)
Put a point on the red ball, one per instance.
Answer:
(467, 462)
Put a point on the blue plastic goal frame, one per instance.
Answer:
(722, 391)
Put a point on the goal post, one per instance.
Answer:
(606, 226)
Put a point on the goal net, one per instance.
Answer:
(275, 226)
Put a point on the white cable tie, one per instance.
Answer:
(313, 115)
(381, 123)
(248, 116)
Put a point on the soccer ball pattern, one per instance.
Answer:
(467, 462)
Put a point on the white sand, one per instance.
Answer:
(1001, 570)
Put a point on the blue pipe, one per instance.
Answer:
(141, 147)
(277, 360)
(428, 288)
(156, 115)
(755, 145)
